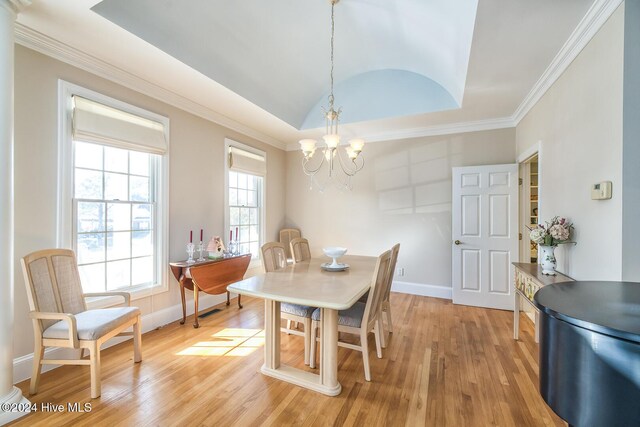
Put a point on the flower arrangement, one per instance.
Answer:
(553, 233)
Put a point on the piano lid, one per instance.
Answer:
(611, 308)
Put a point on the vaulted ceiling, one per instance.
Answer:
(262, 66)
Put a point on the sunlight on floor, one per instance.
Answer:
(227, 342)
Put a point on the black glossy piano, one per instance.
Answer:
(590, 352)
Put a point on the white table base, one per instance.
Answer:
(325, 383)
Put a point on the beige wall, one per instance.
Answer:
(402, 195)
(196, 173)
(579, 124)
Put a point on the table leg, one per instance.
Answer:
(537, 327)
(272, 334)
(239, 302)
(184, 303)
(516, 315)
(329, 350)
(196, 291)
(228, 296)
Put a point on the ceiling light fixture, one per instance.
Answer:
(331, 151)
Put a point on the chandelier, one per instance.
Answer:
(332, 153)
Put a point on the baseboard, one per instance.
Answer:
(22, 365)
(422, 289)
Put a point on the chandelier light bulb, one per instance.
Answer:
(308, 146)
(356, 144)
(332, 140)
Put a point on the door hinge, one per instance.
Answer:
(519, 181)
(519, 236)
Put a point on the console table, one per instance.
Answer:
(210, 276)
(528, 280)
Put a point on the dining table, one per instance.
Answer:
(306, 283)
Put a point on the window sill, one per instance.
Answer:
(136, 294)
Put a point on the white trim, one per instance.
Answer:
(46, 45)
(64, 220)
(228, 142)
(422, 289)
(530, 152)
(590, 24)
(435, 130)
(22, 365)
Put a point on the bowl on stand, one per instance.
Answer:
(334, 252)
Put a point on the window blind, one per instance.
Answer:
(246, 161)
(99, 123)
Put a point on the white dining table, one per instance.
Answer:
(306, 283)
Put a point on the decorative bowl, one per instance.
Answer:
(334, 252)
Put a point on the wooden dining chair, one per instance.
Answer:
(361, 318)
(385, 306)
(300, 250)
(286, 236)
(274, 258)
(61, 319)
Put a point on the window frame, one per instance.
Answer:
(65, 198)
(256, 259)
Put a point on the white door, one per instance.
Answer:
(484, 235)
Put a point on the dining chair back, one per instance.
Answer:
(378, 288)
(300, 249)
(385, 306)
(286, 236)
(274, 256)
(61, 319)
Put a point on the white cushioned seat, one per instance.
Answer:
(295, 309)
(349, 317)
(93, 324)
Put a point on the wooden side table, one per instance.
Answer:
(210, 276)
(528, 279)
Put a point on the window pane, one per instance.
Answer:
(118, 216)
(116, 160)
(253, 233)
(116, 186)
(253, 215)
(118, 274)
(88, 184)
(142, 271)
(88, 155)
(90, 217)
(244, 216)
(90, 248)
(118, 245)
(233, 197)
(242, 180)
(233, 179)
(235, 216)
(251, 182)
(252, 198)
(139, 189)
(244, 248)
(244, 234)
(253, 248)
(142, 218)
(242, 197)
(92, 277)
(139, 163)
(142, 243)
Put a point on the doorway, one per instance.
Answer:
(529, 207)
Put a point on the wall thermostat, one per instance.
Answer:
(601, 190)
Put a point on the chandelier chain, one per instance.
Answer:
(333, 24)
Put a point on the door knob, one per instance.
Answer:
(457, 242)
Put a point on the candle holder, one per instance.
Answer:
(233, 247)
(201, 251)
(190, 250)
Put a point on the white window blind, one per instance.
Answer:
(246, 161)
(98, 123)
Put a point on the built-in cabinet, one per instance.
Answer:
(533, 203)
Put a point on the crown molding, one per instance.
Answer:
(596, 16)
(436, 130)
(46, 45)
(15, 6)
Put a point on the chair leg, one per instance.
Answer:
(38, 353)
(307, 339)
(94, 354)
(378, 338)
(137, 341)
(288, 326)
(312, 344)
(387, 310)
(365, 354)
(380, 332)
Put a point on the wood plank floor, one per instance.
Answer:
(445, 365)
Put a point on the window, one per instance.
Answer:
(246, 175)
(113, 192)
(114, 216)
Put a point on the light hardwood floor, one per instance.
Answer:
(445, 365)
